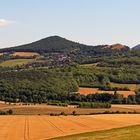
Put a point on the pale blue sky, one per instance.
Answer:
(86, 21)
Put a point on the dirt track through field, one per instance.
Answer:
(45, 127)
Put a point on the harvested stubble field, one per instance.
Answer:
(24, 127)
(25, 54)
(44, 109)
(87, 91)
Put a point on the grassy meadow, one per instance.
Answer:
(126, 133)
(15, 62)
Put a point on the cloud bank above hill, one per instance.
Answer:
(5, 22)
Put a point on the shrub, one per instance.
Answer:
(62, 113)
(10, 112)
(74, 113)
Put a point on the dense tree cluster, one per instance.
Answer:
(35, 85)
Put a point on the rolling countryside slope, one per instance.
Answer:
(59, 86)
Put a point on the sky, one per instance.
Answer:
(92, 22)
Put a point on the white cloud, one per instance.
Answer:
(4, 22)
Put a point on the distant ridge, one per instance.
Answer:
(137, 47)
(52, 43)
(57, 44)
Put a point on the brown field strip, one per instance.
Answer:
(25, 54)
(46, 109)
(87, 91)
(46, 127)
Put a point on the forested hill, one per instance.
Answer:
(61, 45)
(49, 44)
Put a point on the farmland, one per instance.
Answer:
(15, 62)
(47, 127)
(25, 54)
(132, 87)
(125, 133)
(44, 109)
(87, 91)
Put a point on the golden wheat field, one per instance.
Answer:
(25, 54)
(26, 127)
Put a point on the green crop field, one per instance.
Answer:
(132, 87)
(15, 62)
(126, 133)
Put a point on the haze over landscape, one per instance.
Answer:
(93, 22)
